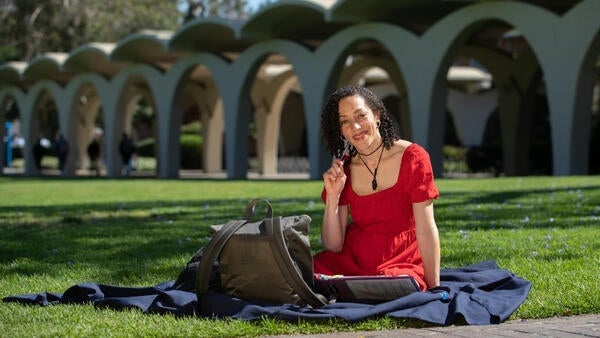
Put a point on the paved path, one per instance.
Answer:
(563, 327)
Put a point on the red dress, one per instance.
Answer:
(381, 240)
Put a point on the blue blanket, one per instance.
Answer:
(481, 294)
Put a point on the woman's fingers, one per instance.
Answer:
(334, 178)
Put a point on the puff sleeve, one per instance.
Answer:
(421, 186)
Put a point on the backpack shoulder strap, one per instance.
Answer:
(288, 269)
(212, 251)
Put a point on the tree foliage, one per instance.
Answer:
(33, 27)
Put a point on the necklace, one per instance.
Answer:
(373, 152)
(374, 173)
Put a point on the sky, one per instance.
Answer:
(255, 3)
(251, 3)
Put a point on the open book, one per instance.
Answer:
(366, 289)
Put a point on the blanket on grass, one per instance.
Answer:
(481, 294)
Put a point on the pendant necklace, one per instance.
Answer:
(373, 173)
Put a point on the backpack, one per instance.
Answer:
(266, 262)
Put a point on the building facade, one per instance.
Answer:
(275, 70)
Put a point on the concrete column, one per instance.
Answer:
(212, 146)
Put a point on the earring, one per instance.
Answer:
(378, 124)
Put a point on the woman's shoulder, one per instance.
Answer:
(412, 155)
(406, 148)
(415, 150)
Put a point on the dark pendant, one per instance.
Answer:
(374, 184)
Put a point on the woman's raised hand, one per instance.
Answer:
(335, 178)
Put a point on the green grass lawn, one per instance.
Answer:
(58, 232)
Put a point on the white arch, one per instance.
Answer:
(169, 112)
(30, 119)
(116, 110)
(552, 58)
(268, 118)
(241, 76)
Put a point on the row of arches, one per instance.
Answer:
(560, 57)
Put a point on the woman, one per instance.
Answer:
(378, 216)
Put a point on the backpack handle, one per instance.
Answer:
(252, 205)
(217, 243)
(288, 269)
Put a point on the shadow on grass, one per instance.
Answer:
(118, 240)
(125, 239)
(544, 207)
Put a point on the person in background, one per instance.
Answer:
(126, 150)
(379, 217)
(61, 147)
(93, 151)
(38, 153)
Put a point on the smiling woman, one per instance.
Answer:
(378, 217)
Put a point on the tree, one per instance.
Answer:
(113, 20)
(33, 27)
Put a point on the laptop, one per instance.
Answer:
(365, 289)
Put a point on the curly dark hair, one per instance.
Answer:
(330, 120)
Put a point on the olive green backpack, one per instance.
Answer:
(268, 261)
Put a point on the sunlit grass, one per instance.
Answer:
(58, 232)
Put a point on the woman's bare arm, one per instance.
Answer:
(428, 241)
(335, 216)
